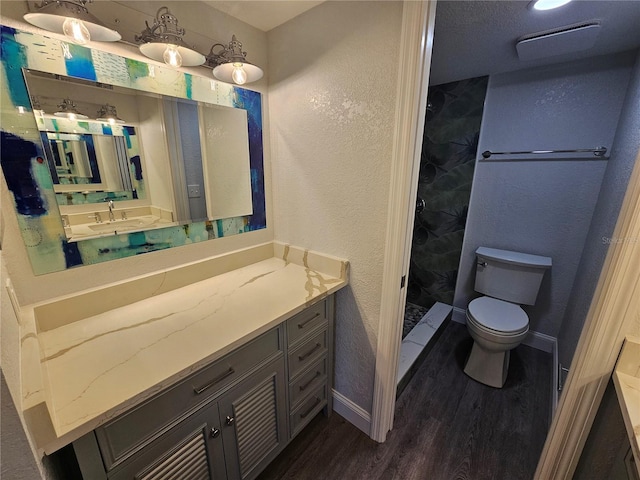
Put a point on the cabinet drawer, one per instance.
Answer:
(307, 382)
(306, 321)
(308, 409)
(307, 353)
(136, 428)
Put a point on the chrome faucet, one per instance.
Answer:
(112, 217)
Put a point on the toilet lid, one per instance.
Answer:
(498, 315)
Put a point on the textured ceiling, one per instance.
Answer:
(263, 14)
(476, 38)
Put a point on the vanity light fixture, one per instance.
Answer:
(109, 114)
(69, 110)
(163, 42)
(542, 5)
(72, 18)
(230, 65)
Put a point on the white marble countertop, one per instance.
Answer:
(95, 367)
(626, 378)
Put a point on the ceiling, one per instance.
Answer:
(476, 38)
(263, 14)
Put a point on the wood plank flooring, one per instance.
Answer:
(447, 426)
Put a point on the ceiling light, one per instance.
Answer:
(163, 42)
(230, 64)
(69, 110)
(108, 114)
(71, 18)
(548, 4)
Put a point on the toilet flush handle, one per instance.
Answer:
(481, 264)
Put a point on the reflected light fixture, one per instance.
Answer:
(163, 42)
(72, 18)
(542, 5)
(230, 64)
(69, 110)
(109, 114)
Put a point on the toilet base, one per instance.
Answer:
(487, 367)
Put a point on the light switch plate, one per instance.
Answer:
(193, 191)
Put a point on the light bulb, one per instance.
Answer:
(549, 4)
(172, 57)
(239, 75)
(71, 116)
(75, 30)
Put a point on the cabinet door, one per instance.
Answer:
(254, 421)
(190, 450)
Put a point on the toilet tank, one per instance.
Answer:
(510, 276)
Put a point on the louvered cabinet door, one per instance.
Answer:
(253, 418)
(191, 450)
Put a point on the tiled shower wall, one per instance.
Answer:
(452, 128)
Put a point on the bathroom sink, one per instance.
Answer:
(119, 225)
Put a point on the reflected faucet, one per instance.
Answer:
(112, 217)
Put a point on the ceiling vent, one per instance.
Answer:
(559, 41)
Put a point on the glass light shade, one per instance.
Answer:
(109, 114)
(76, 31)
(156, 51)
(229, 72)
(53, 15)
(68, 110)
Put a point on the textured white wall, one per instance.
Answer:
(332, 96)
(543, 207)
(626, 148)
(204, 26)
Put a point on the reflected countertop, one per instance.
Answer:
(626, 378)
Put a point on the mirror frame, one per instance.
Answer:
(31, 185)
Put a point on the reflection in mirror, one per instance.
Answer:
(211, 162)
(119, 104)
(206, 152)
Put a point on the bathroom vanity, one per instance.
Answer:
(211, 368)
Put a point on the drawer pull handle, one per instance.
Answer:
(215, 432)
(315, 404)
(306, 385)
(303, 324)
(302, 358)
(230, 420)
(218, 379)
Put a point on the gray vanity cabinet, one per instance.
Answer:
(228, 420)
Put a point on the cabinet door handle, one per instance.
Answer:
(230, 420)
(315, 404)
(303, 324)
(310, 352)
(218, 379)
(215, 432)
(306, 385)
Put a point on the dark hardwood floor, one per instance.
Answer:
(447, 426)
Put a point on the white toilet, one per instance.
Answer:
(496, 322)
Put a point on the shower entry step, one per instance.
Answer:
(418, 342)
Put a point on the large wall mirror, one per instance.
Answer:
(109, 157)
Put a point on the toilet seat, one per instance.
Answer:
(497, 317)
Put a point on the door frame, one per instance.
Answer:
(615, 308)
(416, 45)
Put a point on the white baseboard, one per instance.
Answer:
(540, 341)
(351, 412)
